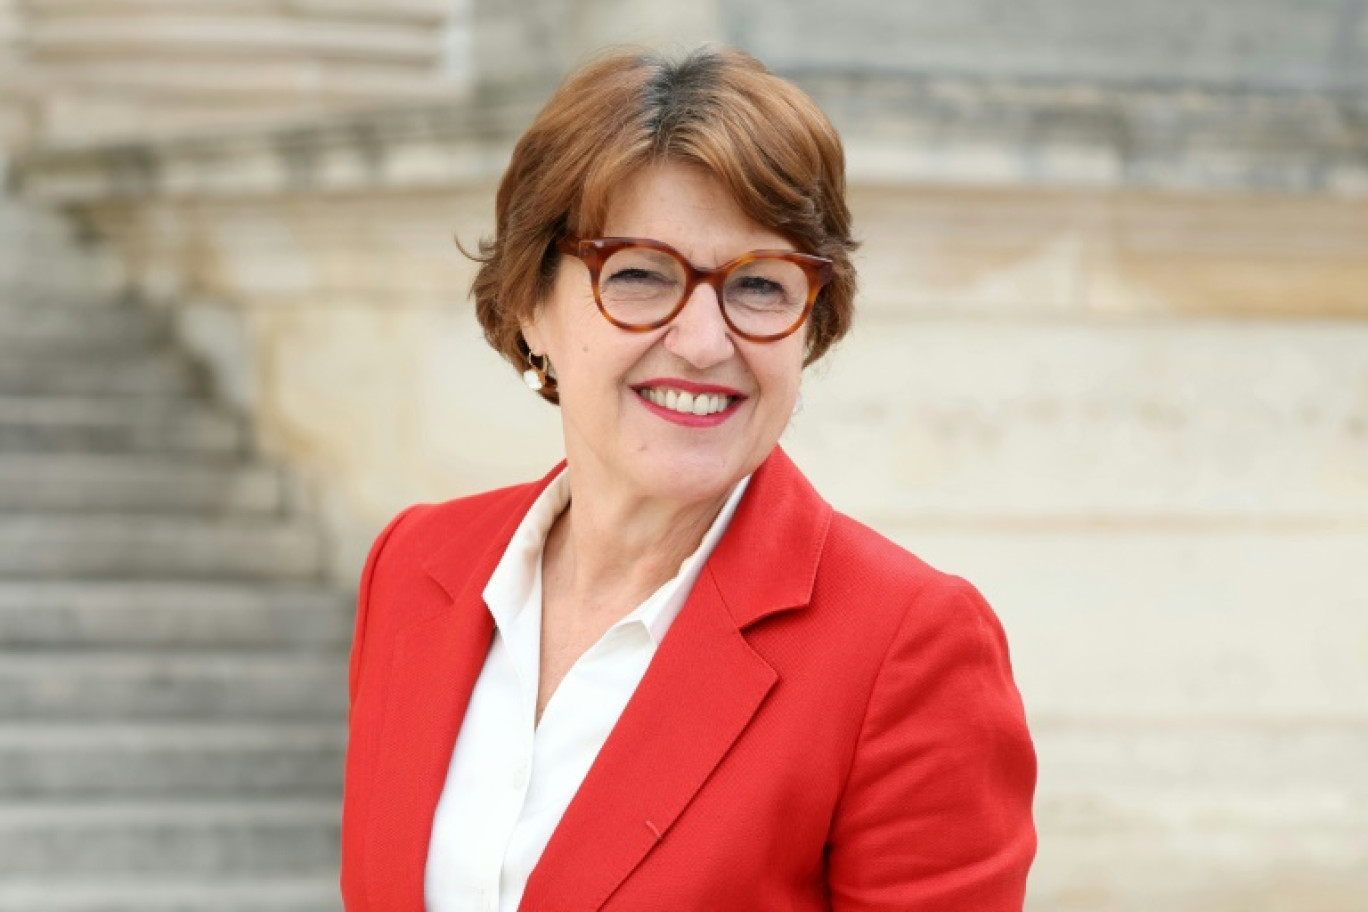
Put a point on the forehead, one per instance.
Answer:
(689, 209)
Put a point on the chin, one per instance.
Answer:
(691, 477)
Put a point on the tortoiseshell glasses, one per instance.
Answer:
(641, 284)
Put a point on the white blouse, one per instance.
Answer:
(510, 778)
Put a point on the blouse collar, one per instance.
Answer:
(517, 577)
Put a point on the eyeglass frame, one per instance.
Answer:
(595, 252)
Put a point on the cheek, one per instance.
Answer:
(596, 358)
(792, 362)
(782, 378)
(569, 331)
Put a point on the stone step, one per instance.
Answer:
(109, 760)
(73, 482)
(40, 256)
(35, 546)
(49, 614)
(66, 276)
(79, 300)
(93, 423)
(112, 373)
(200, 686)
(239, 836)
(31, 325)
(145, 894)
(23, 224)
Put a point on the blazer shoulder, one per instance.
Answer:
(424, 528)
(855, 549)
(396, 584)
(904, 588)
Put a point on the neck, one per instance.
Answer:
(610, 549)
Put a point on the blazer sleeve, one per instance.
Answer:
(936, 811)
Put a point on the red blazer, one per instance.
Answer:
(829, 724)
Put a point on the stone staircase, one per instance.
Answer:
(172, 668)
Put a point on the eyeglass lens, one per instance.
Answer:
(640, 286)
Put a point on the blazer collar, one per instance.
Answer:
(701, 690)
(450, 564)
(767, 560)
(780, 525)
(435, 663)
(699, 693)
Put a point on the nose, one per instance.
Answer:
(698, 334)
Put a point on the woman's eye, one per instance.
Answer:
(636, 275)
(757, 293)
(755, 285)
(756, 290)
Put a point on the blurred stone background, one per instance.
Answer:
(1110, 363)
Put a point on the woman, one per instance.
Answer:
(668, 676)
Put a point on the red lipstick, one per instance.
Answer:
(686, 386)
(684, 418)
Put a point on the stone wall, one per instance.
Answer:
(1111, 363)
(1140, 423)
(1137, 418)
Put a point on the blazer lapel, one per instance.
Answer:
(435, 664)
(702, 689)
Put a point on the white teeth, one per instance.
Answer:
(687, 403)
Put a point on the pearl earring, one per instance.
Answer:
(535, 375)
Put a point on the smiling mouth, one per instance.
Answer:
(686, 403)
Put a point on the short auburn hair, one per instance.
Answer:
(759, 135)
